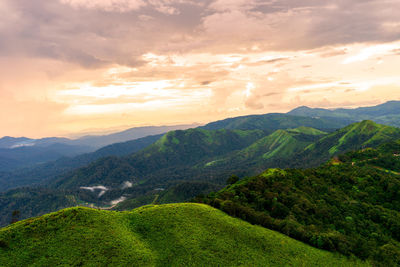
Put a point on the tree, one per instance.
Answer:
(15, 216)
(233, 179)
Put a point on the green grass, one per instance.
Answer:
(307, 130)
(166, 235)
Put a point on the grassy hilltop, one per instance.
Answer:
(166, 235)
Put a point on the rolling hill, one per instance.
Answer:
(173, 235)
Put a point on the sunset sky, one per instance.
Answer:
(68, 66)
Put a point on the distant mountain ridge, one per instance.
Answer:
(93, 141)
(387, 113)
(41, 173)
(24, 152)
(30, 154)
(275, 121)
(99, 141)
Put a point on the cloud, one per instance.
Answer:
(94, 33)
(122, 6)
(107, 5)
(74, 64)
(371, 51)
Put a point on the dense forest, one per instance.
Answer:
(350, 204)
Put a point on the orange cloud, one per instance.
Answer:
(71, 65)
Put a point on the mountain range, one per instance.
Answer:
(17, 153)
(329, 181)
(386, 113)
(195, 161)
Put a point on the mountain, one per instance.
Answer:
(15, 142)
(164, 171)
(352, 137)
(174, 151)
(387, 113)
(17, 153)
(42, 173)
(127, 135)
(25, 156)
(276, 121)
(350, 204)
(17, 167)
(173, 235)
(281, 144)
(93, 141)
(195, 153)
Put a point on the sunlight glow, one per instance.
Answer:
(249, 88)
(369, 52)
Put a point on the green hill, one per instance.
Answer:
(171, 155)
(269, 150)
(355, 136)
(181, 156)
(350, 205)
(173, 235)
(282, 143)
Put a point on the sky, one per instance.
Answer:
(71, 66)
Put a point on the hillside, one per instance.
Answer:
(207, 157)
(350, 205)
(22, 152)
(99, 141)
(42, 173)
(26, 156)
(276, 121)
(352, 137)
(387, 113)
(271, 149)
(175, 151)
(30, 202)
(174, 235)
